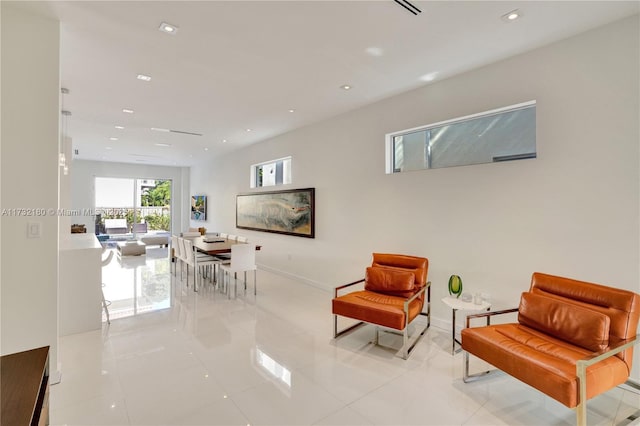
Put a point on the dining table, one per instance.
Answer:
(216, 245)
(213, 246)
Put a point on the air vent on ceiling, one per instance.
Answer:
(144, 155)
(410, 7)
(183, 132)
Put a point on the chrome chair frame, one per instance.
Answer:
(406, 349)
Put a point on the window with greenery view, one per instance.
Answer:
(136, 200)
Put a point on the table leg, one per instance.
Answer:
(453, 332)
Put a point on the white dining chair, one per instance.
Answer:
(106, 303)
(232, 237)
(243, 259)
(177, 254)
(223, 235)
(197, 260)
(181, 255)
(241, 239)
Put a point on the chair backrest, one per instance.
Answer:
(183, 251)
(188, 254)
(115, 223)
(621, 306)
(243, 257)
(232, 237)
(242, 239)
(223, 235)
(418, 265)
(140, 228)
(177, 251)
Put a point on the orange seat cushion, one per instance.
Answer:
(376, 308)
(539, 360)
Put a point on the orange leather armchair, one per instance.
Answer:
(393, 296)
(573, 340)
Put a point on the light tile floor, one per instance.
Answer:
(174, 357)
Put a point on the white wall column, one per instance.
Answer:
(30, 77)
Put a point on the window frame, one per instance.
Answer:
(389, 137)
(253, 174)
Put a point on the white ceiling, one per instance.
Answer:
(243, 64)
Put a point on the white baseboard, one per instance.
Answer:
(441, 324)
(312, 283)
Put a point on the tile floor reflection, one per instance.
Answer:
(137, 284)
(175, 357)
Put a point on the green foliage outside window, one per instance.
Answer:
(158, 196)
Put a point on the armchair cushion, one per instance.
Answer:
(565, 321)
(392, 281)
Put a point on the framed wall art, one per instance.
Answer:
(198, 207)
(290, 212)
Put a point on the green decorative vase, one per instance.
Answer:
(455, 285)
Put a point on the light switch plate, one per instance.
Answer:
(34, 229)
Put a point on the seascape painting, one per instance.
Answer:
(198, 207)
(288, 212)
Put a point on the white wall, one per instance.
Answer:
(573, 211)
(29, 179)
(83, 175)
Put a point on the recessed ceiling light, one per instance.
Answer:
(168, 28)
(374, 51)
(127, 111)
(119, 127)
(224, 141)
(206, 149)
(160, 129)
(292, 110)
(345, 87)
(113, 139)
(162, 144)
(248, 130)
(107, 147)
(143, 77)
(429, 77)
(511, 16)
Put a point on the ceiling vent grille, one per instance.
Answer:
(407, 5)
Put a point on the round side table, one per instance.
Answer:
(458, 304)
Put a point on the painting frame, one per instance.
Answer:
(199, 207)
(288, 212)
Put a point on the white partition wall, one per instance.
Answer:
(29, 180)
(80, 290)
